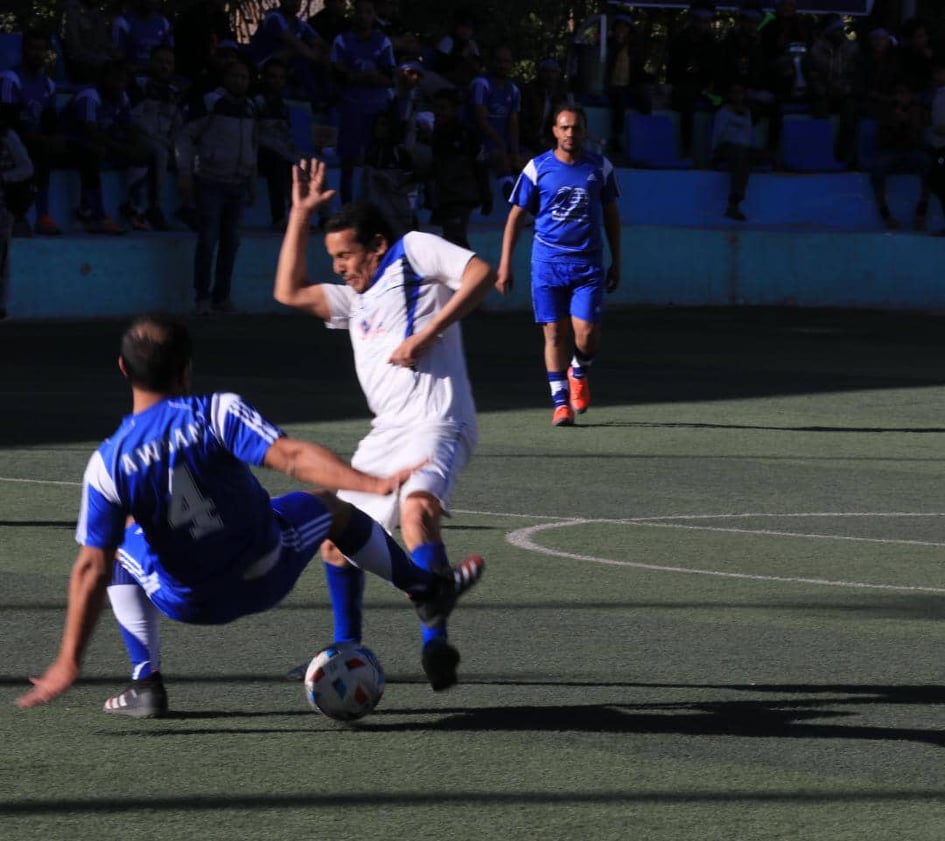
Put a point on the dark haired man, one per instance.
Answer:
(401, 302)
(207, 544)
(572, 193)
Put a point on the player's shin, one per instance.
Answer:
(139, 622)
(346, 589)
(432, 557)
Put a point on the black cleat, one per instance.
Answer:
(435, 606)
(439, 662)
(145, 698)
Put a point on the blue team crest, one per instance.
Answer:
(570, 203)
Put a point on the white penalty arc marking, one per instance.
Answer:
(523, 539)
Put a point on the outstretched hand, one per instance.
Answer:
(51, 684)
(309, 191)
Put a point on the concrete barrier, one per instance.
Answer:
(810, 241)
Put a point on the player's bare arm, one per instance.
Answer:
(513, 227)
(88, 584)
(478, 278)
(612, 231)
(309, 194)
(319, 466)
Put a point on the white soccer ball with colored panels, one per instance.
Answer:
(344, 681)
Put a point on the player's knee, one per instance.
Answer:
(331, 554)
(420, 518)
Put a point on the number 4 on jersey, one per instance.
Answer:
(189, 507)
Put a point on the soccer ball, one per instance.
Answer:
(344, 681)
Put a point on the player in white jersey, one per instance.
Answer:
(572, 194)
(401, 303)
(206, 544)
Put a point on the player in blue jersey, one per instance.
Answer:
(206, 544)
(572, 193)
(401, 303)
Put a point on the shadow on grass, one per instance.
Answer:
(785, 711)
(288, 365)
(407, 800)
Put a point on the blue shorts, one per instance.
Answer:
(304, 523)
(561, 289)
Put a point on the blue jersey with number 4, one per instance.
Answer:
(181, 470)
(567, 202)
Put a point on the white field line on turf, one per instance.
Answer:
(522, 539)
(40, 481)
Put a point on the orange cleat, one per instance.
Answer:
(563, 416)
(580, 390)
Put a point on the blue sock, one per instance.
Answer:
(138, 621)
(558, 381)
(431, 556)
(346, 589)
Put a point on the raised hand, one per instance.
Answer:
(309, 190)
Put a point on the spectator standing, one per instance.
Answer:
(733, 145)
(457, 58)
(691, 68)
(901, 150)
(139, 30)
(572, 193)
(15, 169)
(387, 180)
(879, 67)
(412, 113)
(914, 57)
(495, 102)
(626, 78)
(937, 134)
(211, 77)
(157, 110)
(406, 44)
(217, 166)
(459, 181)
(331, 21)
(86, 40)
(199, 29)
(284, 35)
(102, 133)
(540, 97)
(277, 150)
(363, 62)
(30, 92)
(834, 71)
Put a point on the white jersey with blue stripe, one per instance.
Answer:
(416, 277)
(567, 202)
(181, 470)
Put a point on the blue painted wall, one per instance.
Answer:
(811, 241)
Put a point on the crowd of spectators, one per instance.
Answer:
(428, 119)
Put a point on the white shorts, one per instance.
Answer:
(446, 448)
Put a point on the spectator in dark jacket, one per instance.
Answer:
(277, 150)
(691, 68)
(217, 164)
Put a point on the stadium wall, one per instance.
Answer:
(813, 241)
